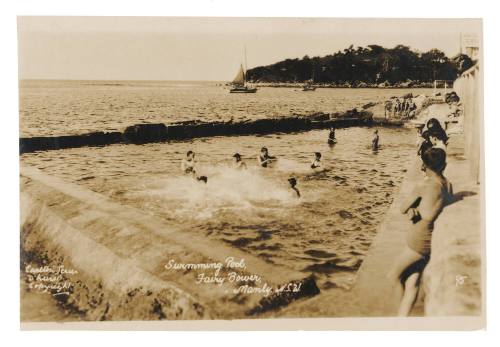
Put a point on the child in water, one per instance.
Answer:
(317, 161)
(423, 207)
(264, 158)
(375, 141)
(188, 164)
(238, 163)
(293, 184)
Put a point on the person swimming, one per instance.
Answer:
(331, 136)
(203, 179)
(264, 158)
(188, 164)
(293, 184)
(423, 207)
(375, 140)
(238, 163)
(317, 161)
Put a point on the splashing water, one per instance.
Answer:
(248, 192)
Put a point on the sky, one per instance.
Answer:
(208, 48)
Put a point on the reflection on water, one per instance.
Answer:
(73, 107)
(326, 232)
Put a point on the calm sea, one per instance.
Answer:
(75, 107)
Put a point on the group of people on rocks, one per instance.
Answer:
(423, 206)
(403, 108)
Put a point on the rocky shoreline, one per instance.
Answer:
(358, 84)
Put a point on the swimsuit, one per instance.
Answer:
(262, 161)
(419, 236)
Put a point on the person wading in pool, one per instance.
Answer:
(238, 163)
(316, 164)
(423, 207)
(331, 136)
(188, 164)
(264, 158)
(375, 140)
(293, 185)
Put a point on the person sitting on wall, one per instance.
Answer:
(436, 130)
(423, 207)
(425, 144)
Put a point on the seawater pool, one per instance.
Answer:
(326, 232)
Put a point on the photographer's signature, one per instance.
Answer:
(49, 279)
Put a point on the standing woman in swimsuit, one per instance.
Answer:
(423, 208)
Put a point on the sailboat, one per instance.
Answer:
(308, 86)
(239, 83)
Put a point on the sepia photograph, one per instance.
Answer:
(197, 169)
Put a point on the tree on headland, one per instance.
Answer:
(373, 64)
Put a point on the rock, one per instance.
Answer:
(368, 105)
(143, 133)
(32, 144)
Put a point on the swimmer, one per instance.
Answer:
(203, 179)
(331, 136)
(375, 141)
(293, 184)
(317, 161)
(264, 158)
(188, 164)
(238, 163)
(423, 207)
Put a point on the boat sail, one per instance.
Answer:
(239, 80)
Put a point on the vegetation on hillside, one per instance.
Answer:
(372, 65)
